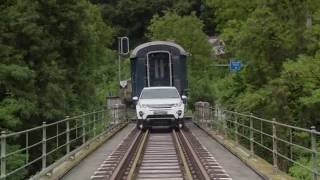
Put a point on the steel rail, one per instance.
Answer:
(138, 156)
(118, 170)
(188, 174)
(195, 157)
(160, 155)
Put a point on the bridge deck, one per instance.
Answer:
(86, 167)
(234, 167)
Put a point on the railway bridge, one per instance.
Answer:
(214, 144)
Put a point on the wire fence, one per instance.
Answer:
(280, 144)
(31, 151)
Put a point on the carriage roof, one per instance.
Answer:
(155, 43)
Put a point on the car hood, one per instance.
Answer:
(160, 101)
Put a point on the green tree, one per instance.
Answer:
(117, 13)
(51, 55)
(278, 43)
(192, 38)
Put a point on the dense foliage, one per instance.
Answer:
(278, 42)
(194, 40)
(50, 52)
(131, 18)
(54, 61)
(56, 56)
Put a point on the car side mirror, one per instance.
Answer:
(135, 98)
(184, 99)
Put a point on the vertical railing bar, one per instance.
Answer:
(220, 121)
(117, 114)
(89, 126)
(44, 145)
(100, 122)
(108, 116)
(27, 147)
(251, 136)
(291, 153)
(261, 131)
(215, 120)
(76, 129)
(243, 122)
(57, 131)
(274, 145)
(225, 124)
(94, 124)
(210, 117)
(83, 129)
(68, 134)
(204, 116)
(3, 155)
(105, 118)
(201, 115)
(236, 129)
(202, 122)
(314, 153)
(114, 115)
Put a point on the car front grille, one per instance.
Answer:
(160, 116)
(160, 105)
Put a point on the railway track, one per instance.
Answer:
(174, 155)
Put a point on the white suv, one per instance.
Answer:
(160, 106)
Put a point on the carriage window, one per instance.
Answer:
(159, 68)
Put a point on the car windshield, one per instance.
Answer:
(159, 94)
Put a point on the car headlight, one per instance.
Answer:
(177, 104)
(143, 105)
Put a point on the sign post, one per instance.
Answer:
(123, 49)
(235, 65)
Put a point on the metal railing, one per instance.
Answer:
(284, 144)
(41, 146)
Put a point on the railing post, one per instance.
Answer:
(27, 147)
(314, 153)
(83, 129)
(224, 124)
(291, 153)
(68, 134)
(106, 118)
(202, 111)
(236, 129)
(94, 124)
(251, 136)
(220, 120)
(3, 155)
(211, 118)
(44, 145)
(274, 145)
(102, 117)
(114, 114)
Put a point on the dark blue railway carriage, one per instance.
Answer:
(158, 63)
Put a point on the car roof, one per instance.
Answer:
(161, 87)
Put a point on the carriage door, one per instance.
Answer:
(159, 70)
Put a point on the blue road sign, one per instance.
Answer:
(235, 65)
